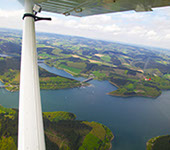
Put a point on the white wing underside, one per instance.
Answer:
(93, 7)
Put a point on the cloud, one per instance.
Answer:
(98, 19)
(167, 36)
(132, 15)
(130, 27)
(11, 19)
(137, 30)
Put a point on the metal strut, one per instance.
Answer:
(30, 128)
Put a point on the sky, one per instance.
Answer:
(144, 28)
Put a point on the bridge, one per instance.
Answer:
(87, 80)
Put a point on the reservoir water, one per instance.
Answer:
(132, 120)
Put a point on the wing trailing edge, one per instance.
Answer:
(93, 7)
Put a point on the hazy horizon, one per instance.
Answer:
(142, 28)
(131, 44)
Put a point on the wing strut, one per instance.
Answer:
(31, 131)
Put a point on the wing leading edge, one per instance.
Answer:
(93, 7)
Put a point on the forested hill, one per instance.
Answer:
(62, 131)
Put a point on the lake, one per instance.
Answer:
(132, 120)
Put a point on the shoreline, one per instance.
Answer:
(128, 96)
(68, 71)
(114, 84)
(158, 141)
(1, 80)
(111, 142)
(124, 96)
(81, 85)
(85, 85)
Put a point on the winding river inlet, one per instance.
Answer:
(132, 120)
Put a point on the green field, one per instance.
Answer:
(74, 70)
(167, 76)
(78, 65)
(99, 74)
(62, 132)
(106, 58)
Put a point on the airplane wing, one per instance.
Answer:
(93, 7)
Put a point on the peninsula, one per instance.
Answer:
(159, 143)
(61, 129)
(10, 76)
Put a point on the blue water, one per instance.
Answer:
(59, 72)
(132, 120)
